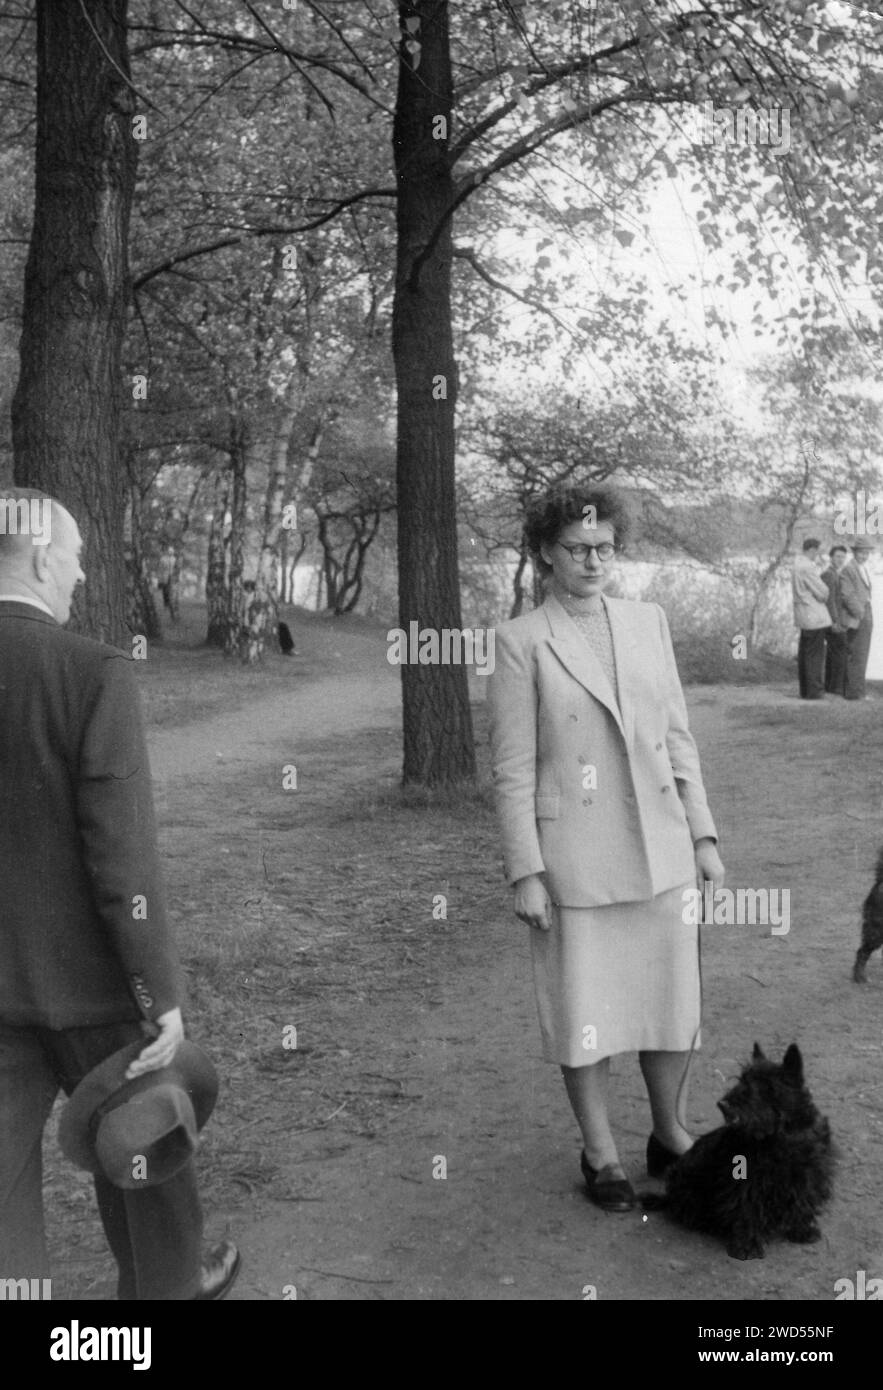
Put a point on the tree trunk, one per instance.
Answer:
(262, 613)
(330, 565)
(438, 740)
(216, 567)
(141, 608)
(65, 414)
(236, 539)
(518, 584)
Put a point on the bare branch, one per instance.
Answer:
(519, 149)
(209, 248)
(463, 253)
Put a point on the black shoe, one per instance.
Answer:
(218, 1273)
(610, 1194)
(659, 1158)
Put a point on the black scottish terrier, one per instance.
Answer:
(872, 925)
(766, 1172)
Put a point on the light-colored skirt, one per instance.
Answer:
(618, 978)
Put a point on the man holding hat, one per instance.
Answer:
(90, 985)
(858, 617)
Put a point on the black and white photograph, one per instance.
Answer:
(441, 662)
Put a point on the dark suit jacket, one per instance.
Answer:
(77, 835)
(831, 580)
(855, 596)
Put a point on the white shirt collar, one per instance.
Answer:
(23, 598)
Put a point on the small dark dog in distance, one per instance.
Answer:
(286, 641)
(872, 925)
(766, 1173)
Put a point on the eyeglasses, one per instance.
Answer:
(580, 553)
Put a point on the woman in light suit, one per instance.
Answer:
(604, 824)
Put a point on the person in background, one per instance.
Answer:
(835, 654)
(855, 597)
(811, 616)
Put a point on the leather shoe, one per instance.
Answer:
(607, 1192)
(218, 1273)
(659, 1158)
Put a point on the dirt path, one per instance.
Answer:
(366, 694)
(440, 1160)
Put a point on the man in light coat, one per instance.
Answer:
(811, 616)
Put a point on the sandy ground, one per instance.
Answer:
(414, 1146)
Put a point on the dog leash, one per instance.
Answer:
(683, 1080)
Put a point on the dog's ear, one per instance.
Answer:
(793, 1064)
(757, 1054)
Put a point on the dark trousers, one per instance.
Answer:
(155, 1234)
(811, 662)
(835, 662)
(858, 644)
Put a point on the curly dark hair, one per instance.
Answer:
(548, 514)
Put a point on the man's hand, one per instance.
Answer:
(161, 1051)
(708, 865)
(532, 902)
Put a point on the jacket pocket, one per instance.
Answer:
(548, 807)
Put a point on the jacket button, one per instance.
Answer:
(659, 747)
(666, 789)
(587, 801)
(574, 717)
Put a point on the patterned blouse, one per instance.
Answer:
(595, 628)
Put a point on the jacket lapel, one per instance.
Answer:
(577, 657)
(626, 654)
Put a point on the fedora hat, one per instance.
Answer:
(139, 1133)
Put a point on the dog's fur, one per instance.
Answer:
(784, 1143)
(872, 925)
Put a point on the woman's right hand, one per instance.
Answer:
(532, 903)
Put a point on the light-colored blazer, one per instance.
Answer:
(854, 595)
(810, 594)
(607, 801)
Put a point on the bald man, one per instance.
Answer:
(80, 977)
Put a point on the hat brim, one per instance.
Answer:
(191, 1069)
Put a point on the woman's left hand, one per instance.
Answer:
(708, 865)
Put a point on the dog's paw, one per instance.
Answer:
(804, 1235)
(745, 1250)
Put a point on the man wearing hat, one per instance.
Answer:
(90, 985)
(858, 617)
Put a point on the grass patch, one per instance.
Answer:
(709, 660)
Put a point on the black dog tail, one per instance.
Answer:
(879, 869)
